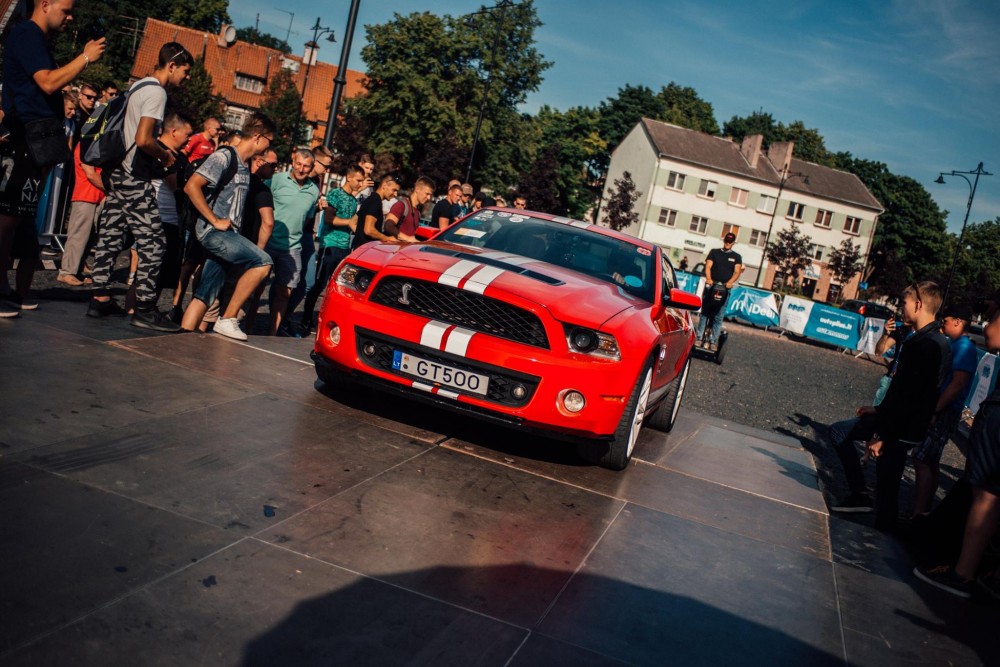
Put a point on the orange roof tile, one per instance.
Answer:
(260, 62)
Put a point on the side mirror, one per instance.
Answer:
(426, 232)
(678, 298)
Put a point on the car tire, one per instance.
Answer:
(666, 415)
(616, 454)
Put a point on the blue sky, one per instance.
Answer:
(914, 83)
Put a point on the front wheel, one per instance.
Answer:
(666, 415)
(616, 454)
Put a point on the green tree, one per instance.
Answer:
(685, 108)
(789, 253)
(845, 262)
(911, 241)
(350, 138)
(283, 105)
(759, 122)
(538, 184)
(255, 36)
(620, 213)
(977, 269)
(427, 76)
(195, 98)
(809, 143)
(574, 137)
(208, 15)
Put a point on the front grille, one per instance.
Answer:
(502, 381)
(461, 308)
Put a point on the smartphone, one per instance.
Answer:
(98, 30)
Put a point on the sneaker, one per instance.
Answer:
(856, 502)
(69, 279)
(285, 331)
(104, 308)
(176, 314)
(8, 312)
(155, 320)
(944, 577)
(15, 300)
(230, 328)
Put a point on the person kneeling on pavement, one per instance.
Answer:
(218, 228)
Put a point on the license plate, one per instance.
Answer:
(440, 374)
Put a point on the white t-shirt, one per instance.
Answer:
(149, 102)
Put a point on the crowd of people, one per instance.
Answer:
(216, 214)
(211, 210)
(914, 412)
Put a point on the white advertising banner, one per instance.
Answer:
(985, 377)
(871, 331)
(795, 314)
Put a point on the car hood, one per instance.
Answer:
(568, 295)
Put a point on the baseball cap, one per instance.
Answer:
(729, 238)
(466, 189)
(959, 311)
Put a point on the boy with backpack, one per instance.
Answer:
(130, 207)
(220, 215)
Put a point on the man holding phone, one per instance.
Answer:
(32, 92)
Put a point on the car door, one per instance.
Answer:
(673, 326)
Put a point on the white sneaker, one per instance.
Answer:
(230, 328)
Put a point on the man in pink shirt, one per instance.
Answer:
(203, 144)
(88, 193)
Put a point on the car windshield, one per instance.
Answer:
(626, 265)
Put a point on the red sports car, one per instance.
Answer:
(525, 319)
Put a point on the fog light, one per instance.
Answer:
(334, 335)
(368, 349)
(519, 391)
(573, 401)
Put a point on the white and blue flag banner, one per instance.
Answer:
(758, 307)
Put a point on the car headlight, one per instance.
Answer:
(355, 277)
(588, 341)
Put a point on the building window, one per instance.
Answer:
(795, 210)
(235, 118)
(667, 217)
(699, 224)
(675, 181)
(852, 225)
(758, 238)
(728, 228)
(249, 84)
(738, 197)
(823, 218)
(816, 251)
(707, 189)
(766, 204)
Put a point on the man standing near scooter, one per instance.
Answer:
(722, 269)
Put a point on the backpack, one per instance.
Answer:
(188, 215)
(102, 139)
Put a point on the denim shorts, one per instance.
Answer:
(287, 267)
(233, 248)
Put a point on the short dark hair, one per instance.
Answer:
(109, 84)
(365, 158)
(174, 52)
(426, 182)
(174, 120)
(353, 169)
(455, 186)
(260, 124)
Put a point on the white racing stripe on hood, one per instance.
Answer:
(458, 341)
(482, 279)
(453, 276)
(433, 334)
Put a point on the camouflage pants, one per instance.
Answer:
(130, 211)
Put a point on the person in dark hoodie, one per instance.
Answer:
(903, 417)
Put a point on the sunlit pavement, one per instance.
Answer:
(186, 499)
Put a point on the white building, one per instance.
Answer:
(695, 187)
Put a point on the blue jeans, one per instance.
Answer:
(225, 249)
(699, 328)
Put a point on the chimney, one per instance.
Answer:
(227, 36)
(751, 148)
(780, 154)
(311, 53)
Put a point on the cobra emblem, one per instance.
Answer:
(405, 299)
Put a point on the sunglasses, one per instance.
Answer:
(89, 97)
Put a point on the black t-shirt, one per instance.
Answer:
(145, 167)
(723, 264)
(371, 206)
(443, 209)
(25, 53)
(258, 197)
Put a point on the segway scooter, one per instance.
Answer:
(711, 307)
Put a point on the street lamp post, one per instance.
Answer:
(785, 175)
(340, 81)
(318, 30)
(502, 7)
(968, 207)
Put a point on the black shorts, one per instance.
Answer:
(173, 254)
(21, 180)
